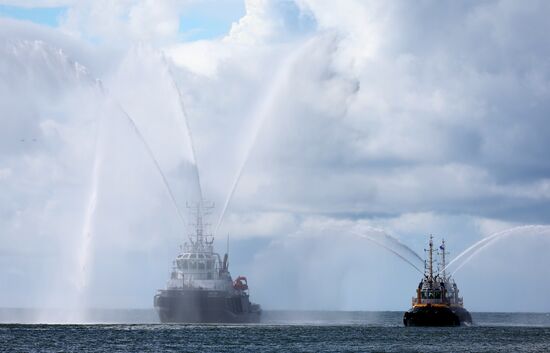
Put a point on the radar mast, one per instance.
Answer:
(430, 259)
(199, 236)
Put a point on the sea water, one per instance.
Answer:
(280, 331)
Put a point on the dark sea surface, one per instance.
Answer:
(280, 331)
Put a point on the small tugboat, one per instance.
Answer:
(200, 289)
(437, 302)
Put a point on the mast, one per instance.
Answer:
(200, 226)
(199, 238)
(430, 258)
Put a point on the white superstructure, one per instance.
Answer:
(198, 266)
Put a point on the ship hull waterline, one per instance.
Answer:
(204, 306)
(437, 315)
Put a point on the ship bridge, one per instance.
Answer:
(199, 269)
(198, 266)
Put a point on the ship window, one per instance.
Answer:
(185, 264)
(186, 256)
(193, 256)
(201, 265)
(209, 264)
(193, 265)
(201, 256)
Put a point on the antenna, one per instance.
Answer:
(443, 264)
(227, 249)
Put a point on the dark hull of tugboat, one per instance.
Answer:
(430, 315)
(204, 306)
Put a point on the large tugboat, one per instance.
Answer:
(200, 288)
(437, 302)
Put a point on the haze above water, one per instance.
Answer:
(272, 317)
(333, 141)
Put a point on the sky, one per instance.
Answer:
(321, 124)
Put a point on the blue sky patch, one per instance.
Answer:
(210, 19)
(48, 16)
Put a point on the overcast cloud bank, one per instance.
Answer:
(416, 118)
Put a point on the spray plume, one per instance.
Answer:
(473, 250)
(84, 259)
(153, 159)
(395, 241)
(187, 127)
(90, 210)
(275, 88)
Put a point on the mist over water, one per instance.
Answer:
(271, 317)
